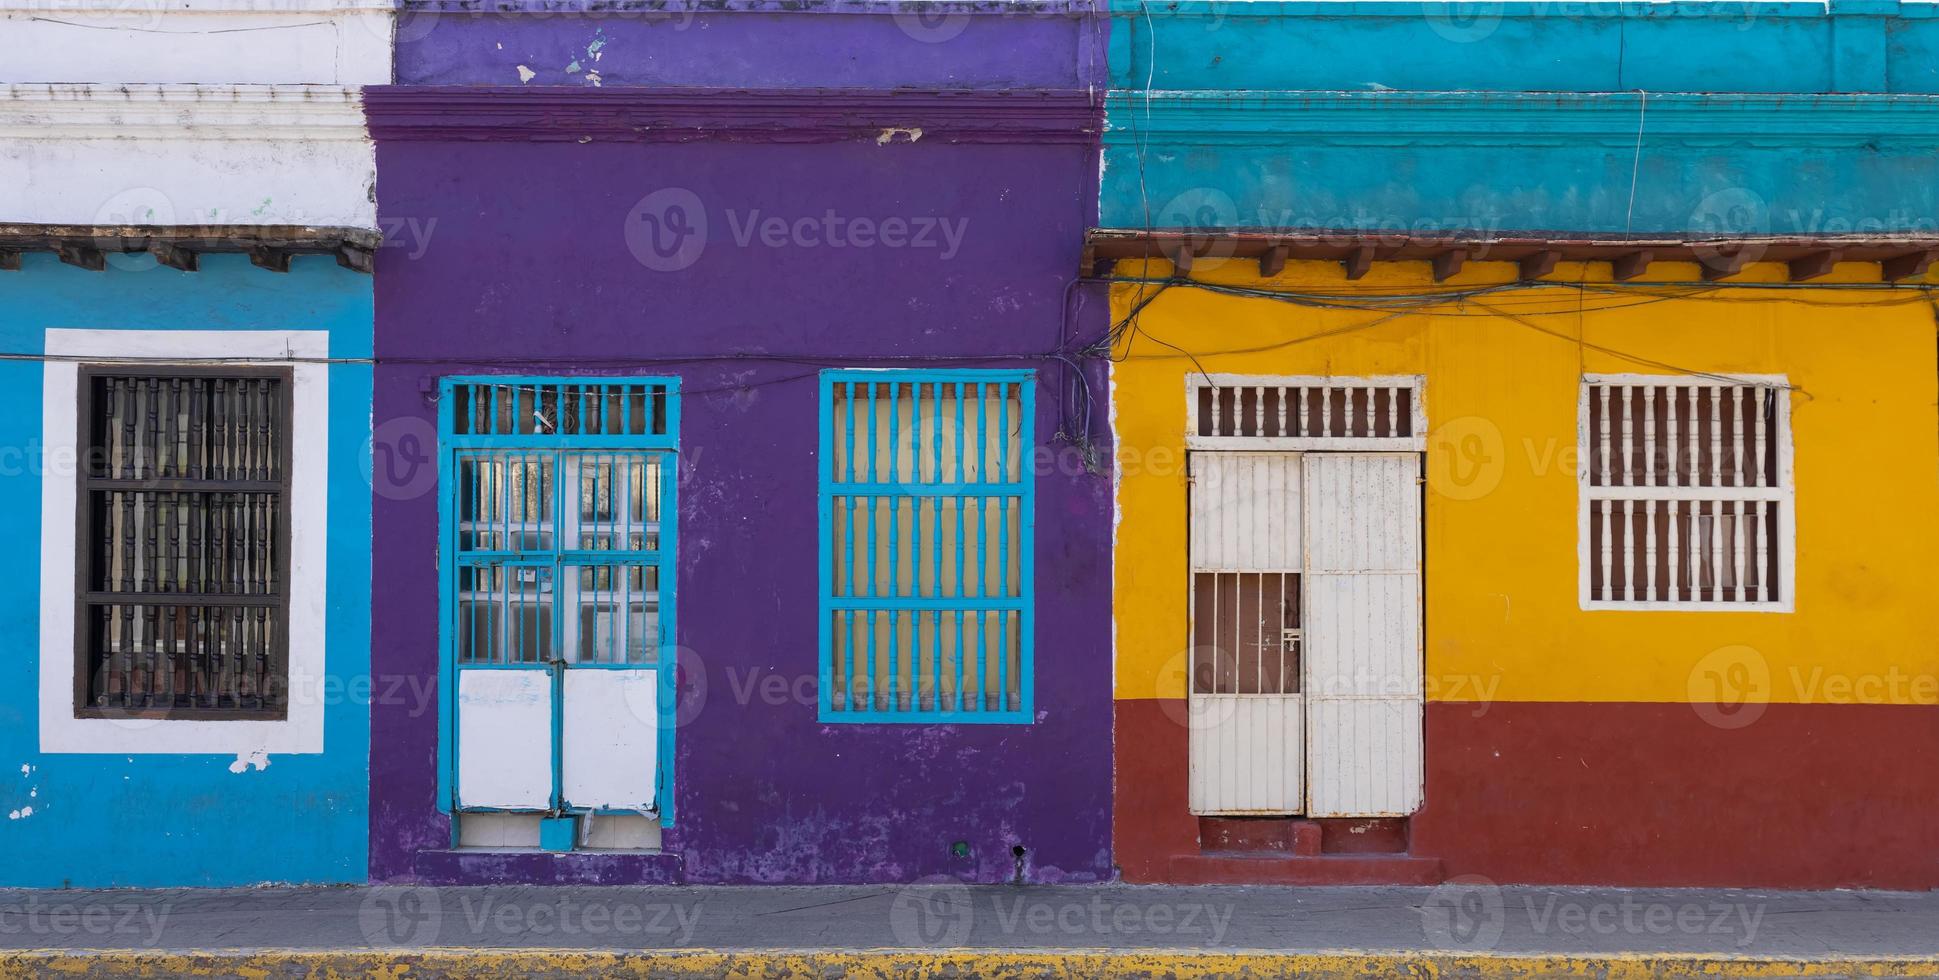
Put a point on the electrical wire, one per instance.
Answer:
(1582, 342)
(1119, 342)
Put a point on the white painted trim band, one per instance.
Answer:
(262, 113)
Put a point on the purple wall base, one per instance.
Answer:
(472, 867)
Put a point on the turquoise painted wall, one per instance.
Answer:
(1724, 118)
(154, 820)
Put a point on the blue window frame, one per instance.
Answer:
(558, 529)
(927, 513)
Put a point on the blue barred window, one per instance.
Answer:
(926, 546)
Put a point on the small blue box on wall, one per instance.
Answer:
(558, 833)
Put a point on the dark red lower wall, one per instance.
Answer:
(1619, 793)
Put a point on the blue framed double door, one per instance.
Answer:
(559, 606)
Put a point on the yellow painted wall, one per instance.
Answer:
(1503, 621)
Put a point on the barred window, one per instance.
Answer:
(1686, 493)
(1255, 412)
(183, 550)
(926, 546)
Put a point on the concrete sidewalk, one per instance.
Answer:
(1462, 928)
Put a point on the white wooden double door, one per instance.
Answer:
(1305, 676)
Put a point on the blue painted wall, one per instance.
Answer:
(1724, 118)
(152, 820)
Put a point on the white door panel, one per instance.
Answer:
(1245, 710)
(1364, 635)
(1245, 754)
(1364, 512)
(1367, 757)
(505, 738)
(1245, 512)
(611, 738)
(1362, 622)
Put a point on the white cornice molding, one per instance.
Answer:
(181, 112)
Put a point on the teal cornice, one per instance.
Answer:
(1520, 9)
(1585, 46)
(1519, 119)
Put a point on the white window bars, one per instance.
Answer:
(1686, 493)
(1226, 411)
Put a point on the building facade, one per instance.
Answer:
(834, 441)
(1524, 443)
(761, 532)
(185, 237)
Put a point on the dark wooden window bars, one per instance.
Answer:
(183, 543)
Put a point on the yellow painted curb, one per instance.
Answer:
(903, 963)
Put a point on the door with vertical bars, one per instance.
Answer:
(1363, 605)
(1246, 723)
(1305, 682)
(559, 621)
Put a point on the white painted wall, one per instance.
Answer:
(189, 112)
(185, 155)
(215, 42)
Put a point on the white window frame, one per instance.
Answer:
(251, 741)
(1417, 410)
(1785, 495)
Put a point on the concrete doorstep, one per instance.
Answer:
(1464, 928)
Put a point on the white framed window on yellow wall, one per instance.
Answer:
(1686, 493)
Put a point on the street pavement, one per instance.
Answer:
(1465, 927)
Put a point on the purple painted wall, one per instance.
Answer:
(528, 268)
(943, 44)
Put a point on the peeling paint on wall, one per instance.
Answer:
(255, 758)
